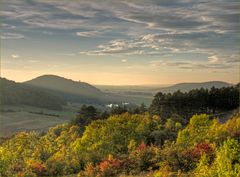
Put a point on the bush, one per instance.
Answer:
(226, 163)
(112, 136)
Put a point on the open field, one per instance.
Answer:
(12, 122)
(26, 118)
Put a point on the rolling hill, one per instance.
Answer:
(62, 84)
(12, 93)
(52, 92)
(185, 87)
(70, 90)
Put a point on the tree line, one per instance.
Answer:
(179, 105)
(196, 101)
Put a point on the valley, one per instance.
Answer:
(49, 100)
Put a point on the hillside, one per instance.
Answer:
(62, 84)
(69, 90)
(13, 93)
(185, 87)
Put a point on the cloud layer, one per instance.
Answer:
(205, 31)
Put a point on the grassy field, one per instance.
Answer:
(25, 118)
(12, 122)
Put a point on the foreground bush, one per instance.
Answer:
(112, 136)
(226, 163)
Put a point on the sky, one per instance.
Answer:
(118, 42)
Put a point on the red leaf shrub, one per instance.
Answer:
(202, 148)
(110, 167)
(141, 146)
(38, 168)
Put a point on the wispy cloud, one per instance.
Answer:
(234, 59)
(87, 33)
(11, 36)
(189, 65)
(7, 26)
(213, 59)
(136, 28)
(15, 56)
(156, 63)
(175, 15)
(114, 47)
(67, 54)
(149, 44)
(33, 61)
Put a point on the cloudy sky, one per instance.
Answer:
(121, 42)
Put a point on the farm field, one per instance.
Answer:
(12, 122)
(26, 118)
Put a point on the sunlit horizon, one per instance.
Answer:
(110, 83)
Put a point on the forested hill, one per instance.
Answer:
(49, 91)
(186, 87)
(12, 93)
(65, 85)
(71, 91)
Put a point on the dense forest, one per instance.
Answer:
(186, 104)
(160, 141)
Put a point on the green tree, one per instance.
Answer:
(142, 108)
(112, 136)
(226, 163)
(86, 115)
(196, 131)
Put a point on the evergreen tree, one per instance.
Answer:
(85, 115)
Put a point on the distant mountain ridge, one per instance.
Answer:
(186, 87)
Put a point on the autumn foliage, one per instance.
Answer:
(127, 144)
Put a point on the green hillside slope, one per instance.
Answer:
(13, 93)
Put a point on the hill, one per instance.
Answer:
(62, 84)
(186, 87)
(70, 90)
(13, 93)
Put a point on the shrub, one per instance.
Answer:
(202, 148)
(38, 168)
(226, 163)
